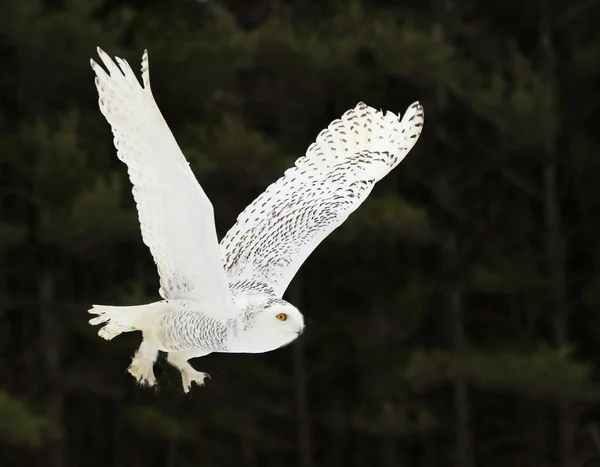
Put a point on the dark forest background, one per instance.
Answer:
(453, 320)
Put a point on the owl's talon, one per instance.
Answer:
(142, 371)
(190, 376)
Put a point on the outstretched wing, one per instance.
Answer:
(275, 234)
(176, 216)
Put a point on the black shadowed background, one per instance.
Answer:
(453, 320)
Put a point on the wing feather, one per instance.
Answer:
(176, 217)
(275, 234)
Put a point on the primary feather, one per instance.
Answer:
(227, 298)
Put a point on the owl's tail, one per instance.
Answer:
(120, 319)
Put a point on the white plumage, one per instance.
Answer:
(228, 299)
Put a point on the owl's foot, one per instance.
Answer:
(142, 366)
(188, 375)
(142, 371)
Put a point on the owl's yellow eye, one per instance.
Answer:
(281, 316)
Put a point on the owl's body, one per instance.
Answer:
(228, 298)
(187, 328)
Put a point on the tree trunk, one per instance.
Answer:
(50, 333)
(533, 431)
(390, 452)
(304, 446)
(555, 246)
(338, 431)
(464, 445)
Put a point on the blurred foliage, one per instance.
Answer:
(19, 425)
(457, 307)
(538, 372)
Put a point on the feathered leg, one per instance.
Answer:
(142, 366)
(188, 375)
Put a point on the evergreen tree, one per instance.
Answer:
(452, 320)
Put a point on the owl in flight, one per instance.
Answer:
(227, 298)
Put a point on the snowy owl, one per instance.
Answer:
(227, 298)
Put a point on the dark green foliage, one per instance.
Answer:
(19, 425)
(452, 320)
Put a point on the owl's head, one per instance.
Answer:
(275, 324)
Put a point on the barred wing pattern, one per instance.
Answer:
(176, 217)
(275, 234)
